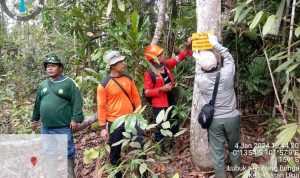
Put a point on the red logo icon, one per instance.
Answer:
(33, 160)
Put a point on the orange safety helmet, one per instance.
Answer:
(152, 50)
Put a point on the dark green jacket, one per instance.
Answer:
(59, 108)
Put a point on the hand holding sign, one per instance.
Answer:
(201, 41)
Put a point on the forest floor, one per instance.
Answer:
(180, 161)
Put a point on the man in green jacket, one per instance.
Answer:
(59, 106)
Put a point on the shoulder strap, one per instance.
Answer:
(212, 101)
(51, 90)
(105, 81)
(123, 91)
(152, 75)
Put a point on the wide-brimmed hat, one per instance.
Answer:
(112, 57)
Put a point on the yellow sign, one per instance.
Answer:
(201, 41)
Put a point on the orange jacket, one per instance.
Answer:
(112, 101)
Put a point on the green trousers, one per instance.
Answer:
(221, 130)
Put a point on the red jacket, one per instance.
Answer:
(160, 98)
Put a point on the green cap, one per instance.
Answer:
(52, 60)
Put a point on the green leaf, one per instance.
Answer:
(278, 56)
(135, 145)
(238, 11)
(269, 24)
(244, 14)
(155, 176)
(121, 5)
(117, 123)
(297, 31)
(160, 117)
(180, 133)
(142, 110)
(143, 168)
(135, 21)
(109, 8)
(118, 143)
(166, 125)
(283, 66)
(166, 133)
(125, 143)
(285, 136)
(89, 155)
(167, 113)
(176, 175)
(291, 68)
(143, 123)
(127, 135)
(257, 19)
(151, 126)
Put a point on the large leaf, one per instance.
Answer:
(244, 14)
(269, 24)
(238, 11)
(167, 113)
(135, 18)
(166, 125)
(278, 56)
(180, 133)
(291, 68)
(160, 117)
(109, 8)
(286, 135)
(257, 19)
(118, 143)
(121, 5)
(283, 66)
(117, 123)
(143, 168)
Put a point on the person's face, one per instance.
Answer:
(119, 66)
(53, 70)
(161, 57)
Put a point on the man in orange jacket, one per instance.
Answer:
(117, 95)
(159, 86)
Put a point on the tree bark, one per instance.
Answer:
(208, 19)
(87, 122)
(160, 21)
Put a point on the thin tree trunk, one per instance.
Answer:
(171, 34)
(208, 19)
(160, 21)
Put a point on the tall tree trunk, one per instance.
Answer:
(208, 19)
(171, 34)
(160, 21)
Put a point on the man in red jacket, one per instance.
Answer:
(159, 86)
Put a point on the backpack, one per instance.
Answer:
(207, 112)
(153, 78)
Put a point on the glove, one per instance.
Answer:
(213, 39)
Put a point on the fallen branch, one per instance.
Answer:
(87, 122)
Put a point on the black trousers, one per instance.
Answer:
(173, 121)
(115, 151)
